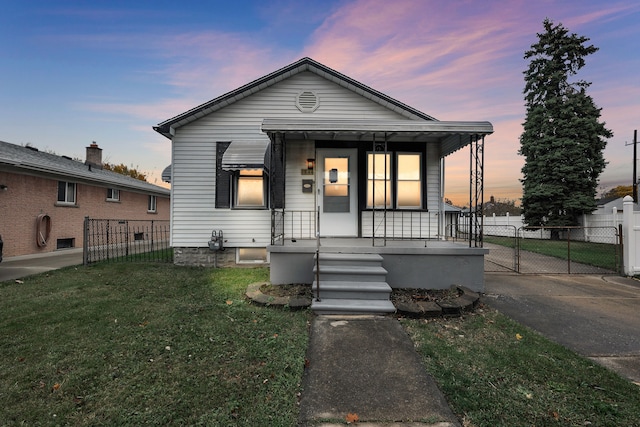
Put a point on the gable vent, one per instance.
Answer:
(307, 101)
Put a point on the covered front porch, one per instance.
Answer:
(359, 208)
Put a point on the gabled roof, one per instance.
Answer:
(29, 160)
(167, 127)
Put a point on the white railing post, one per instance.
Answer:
(628, 237)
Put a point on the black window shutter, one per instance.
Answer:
(277, 174)
(223, 178)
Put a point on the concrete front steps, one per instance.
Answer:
(351, 284)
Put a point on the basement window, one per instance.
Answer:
(65, 243)
(251, 256)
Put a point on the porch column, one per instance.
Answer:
(277, 172)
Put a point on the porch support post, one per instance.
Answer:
(277, 172)
(476, 190)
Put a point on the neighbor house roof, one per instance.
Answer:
(168, 127)
(30, 160)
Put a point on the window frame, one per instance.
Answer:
(110, 195)
(67, 186)
(387, 181)
(397, 180)
(152, 204)
(249, 175)
(393, 180)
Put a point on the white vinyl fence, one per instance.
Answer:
(631, 238)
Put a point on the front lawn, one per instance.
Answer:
(134, 344)
(495, 372)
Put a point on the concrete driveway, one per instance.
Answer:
(22, 266)
(593, 315)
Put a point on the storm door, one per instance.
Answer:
(337, 188)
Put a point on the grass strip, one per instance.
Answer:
(135, 344)
(495, 372)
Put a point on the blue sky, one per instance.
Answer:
(74, 72)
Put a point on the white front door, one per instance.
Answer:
(337, 188)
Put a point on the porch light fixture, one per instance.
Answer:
(311, 164)
(3, 187)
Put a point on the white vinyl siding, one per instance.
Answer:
(194, 158)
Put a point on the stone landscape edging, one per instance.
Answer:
(466, 301)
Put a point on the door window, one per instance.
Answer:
(336, 185)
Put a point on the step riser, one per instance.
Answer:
(353, 290)
(339, 263)
(342, 277)
(348, 307)
(372, 296)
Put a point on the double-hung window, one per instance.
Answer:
(152, 205)
(379, 180)
(394, 180)
(250, 189)
(113, 194)
(66, 193)
(408, 181)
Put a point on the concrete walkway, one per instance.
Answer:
(26, 265)
(367, 366)
(595, 316)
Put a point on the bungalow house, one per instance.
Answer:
(44, 198)
(312, 172)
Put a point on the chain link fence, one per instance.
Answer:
(121, 240)
(569, 250)
(549, 250)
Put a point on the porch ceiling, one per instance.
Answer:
(450, 135)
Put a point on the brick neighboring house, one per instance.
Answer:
(44, 198)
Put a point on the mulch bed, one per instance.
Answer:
(397, 295)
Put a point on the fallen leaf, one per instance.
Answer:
(56, 386)
(229, 302)
(352, 418)
(518, 337)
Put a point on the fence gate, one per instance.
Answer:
(568, 250)
(120, 240)
(501, 240)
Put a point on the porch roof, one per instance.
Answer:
(451, 135)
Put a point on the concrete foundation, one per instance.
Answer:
(204, 257)
(409, 264)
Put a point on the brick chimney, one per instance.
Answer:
(94, 156)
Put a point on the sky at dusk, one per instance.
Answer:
(74, 72)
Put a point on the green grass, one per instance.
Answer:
(596, 254)
(134, 344)
(495, 372)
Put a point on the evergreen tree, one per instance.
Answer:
(563, 139)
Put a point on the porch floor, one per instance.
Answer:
(432, 264)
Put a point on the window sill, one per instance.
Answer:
(66, 205)
(250, 208)
(396, 210)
